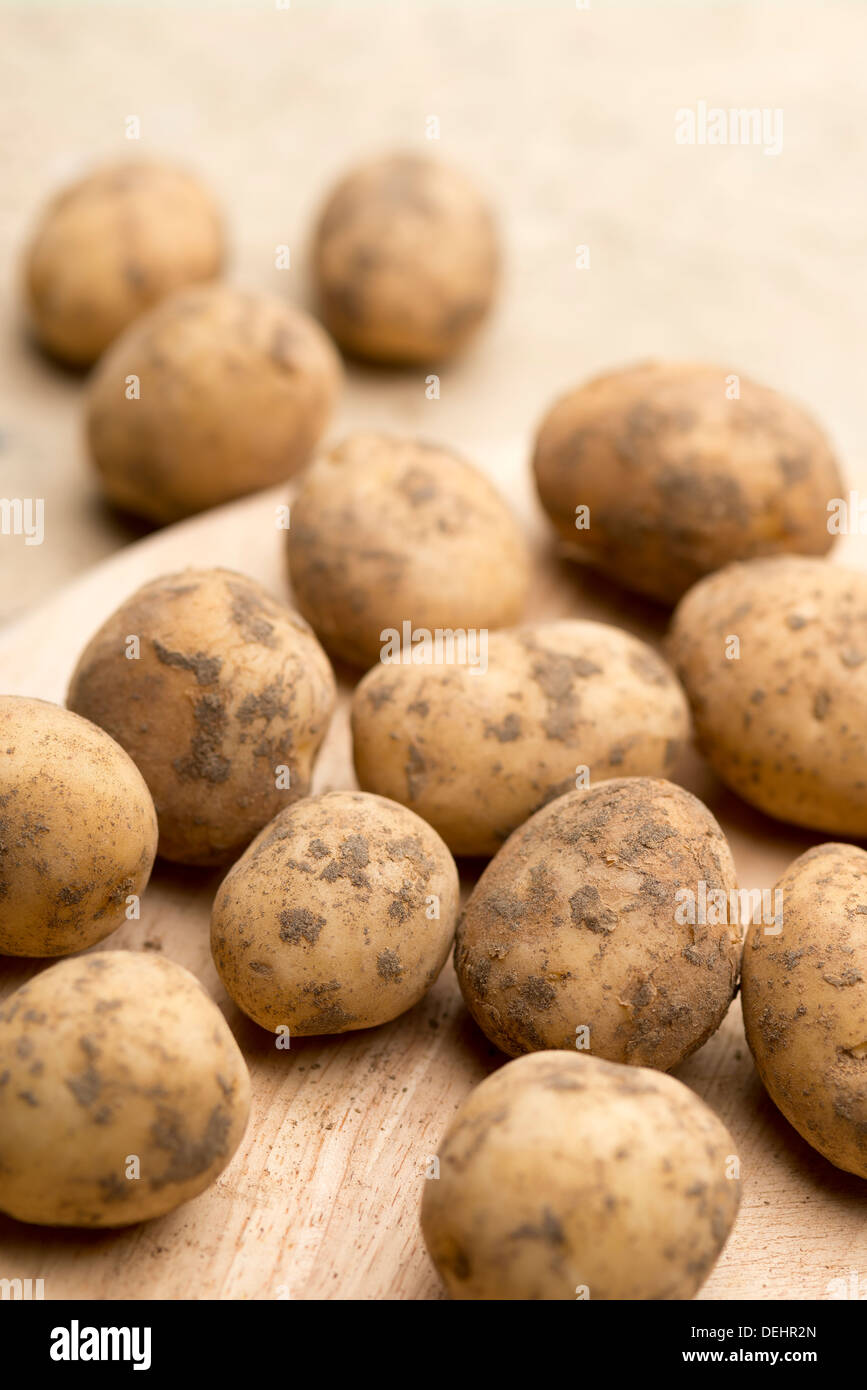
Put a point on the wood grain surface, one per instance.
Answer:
(321, 1201)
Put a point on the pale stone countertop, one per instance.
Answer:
(567, 117)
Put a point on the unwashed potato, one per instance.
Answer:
(406, 260)
(78, 832)
(107, 1060)
(110, 246)
(476, 752)
(340, 916)
(214, 393)
(773, 656)
(387, 531)
(222, 704)
(565, 1177)
(680, 479)
(578, 932)
(805, 1002)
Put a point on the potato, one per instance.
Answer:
(340, 916)
(805, 1002)
(566, 1177)
(680, 479)
(773, 655)
(476, 753)
(78, 831)
(213, 394)
(578, 933)
(406, 260)
(387, 531)
(105, 1060)
(222, 704)
(110, 246)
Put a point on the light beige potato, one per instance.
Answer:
(578, 933)
(783, 721)
(223, 710)
(112, 245)
(106, 1059)
(476, 751)
(805, 1002)
(406, 260)
(78, 831)
(678, 478)
(340, 916)
(234, 390)
(566, 1177)
(387, 531)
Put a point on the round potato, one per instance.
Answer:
(124, 1093)
(214, 393)
(679, 478)
(406, 260)
(390, 536)
(476, 750)
(608, 922)
(220, 694)
(110, 246)
(773, 655)
(565, 1177)
(340, 916)
(805, 1002)
(78, 831)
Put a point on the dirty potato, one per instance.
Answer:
(773, 656)
(476, 751)
(388, 532)
(678, 478)
(221, 696)
(78, 832)
(110, 246)
(586, 929)
(565, 1177)
(406, 260)
(340, 916)
(124, 1093)
(805, 1002)
(213, 394)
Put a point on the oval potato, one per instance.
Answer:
(564, 1177)
(112, 245)
(234, 390)
(107, 1058)
(340, 916)
(389, 531)
(679, 478)
(773, 657)
(476, 750)
(223, 709)
(805, 1002)
(586, 929)
(78, 830)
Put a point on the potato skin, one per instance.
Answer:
(103, 1057)
(112, 245)
(805, 1003)
(322, 926)
(563, 1173)
(229, 685)
(679, 479)
(235, 390)
(386, 530)
(406, 260)
(573, 924)
(78, 830)
(476, 754)
(783, 725)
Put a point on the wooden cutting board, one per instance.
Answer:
(321, 1200)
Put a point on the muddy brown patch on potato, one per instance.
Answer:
(300, 924)
(206, 669)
